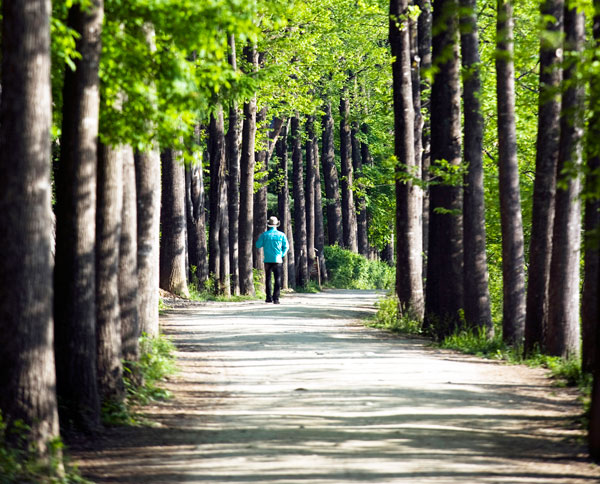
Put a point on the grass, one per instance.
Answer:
(564, 371)
(20, 463)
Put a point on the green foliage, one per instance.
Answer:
(389, 318)
(21, 464)
(142, 377)
(566, 371)
(353, 271)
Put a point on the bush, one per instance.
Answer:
(387, 317)
(347, 270)
(22, 464)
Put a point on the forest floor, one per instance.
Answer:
(302, 392)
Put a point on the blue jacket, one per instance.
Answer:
(274, 244)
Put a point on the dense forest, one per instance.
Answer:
(144, 144)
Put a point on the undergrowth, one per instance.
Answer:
(142, 380)
(20, 463)
(564, 371)
(348, 270)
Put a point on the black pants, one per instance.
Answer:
(275, 268)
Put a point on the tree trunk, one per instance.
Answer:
(477, 295)
(362, 240)
(108, 235)
(424, 49)
(444, 291)
(216, 154)
(319, 226)
(591, 335)
(300, 244)
(330, 177)
(544, 188)
(283, 205)
(27, 372)
(74, 275)
(260, 196)
(310, 194)
(409, 280)
(224, 270)
(148, 189)
(513, 324)
(173, 229)
(563, 334)
(247, 187)
(233, 180)
(590, 300)
(348, 212)
(131, 328)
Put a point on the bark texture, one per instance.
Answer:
(331, 180)
(444, 291)
(234, 133)
(590, 303)
(300, 244)
(216, 153)
(348, 211)
(563, 335)
(173, 225)
(108, 235)
(27, 375)
(477, 295)
(148, 196)
(513, 321)
(544, 188)
(247, 187)
(409, 281)
(309, 193)
(74, 275)
(129, 293)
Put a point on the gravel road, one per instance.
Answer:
(301, 392)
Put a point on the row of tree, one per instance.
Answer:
(139, 122)
(108, 112)
(544, 314)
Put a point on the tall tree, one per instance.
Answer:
(444, 291)
(173, 225)
(148, 190)
(563, 332)
(424, 50)
(108, 235)
(247, 163)
(590, 358)
(27, 375)
(129, 283)
(299, 205)
(330, 178)
(310, 193)
(233, 179)
(319, 225)
(362, 234)
(409, 280)
(349, 228)
(540, 245)
(196, 221)
(477, 295)
(216, 154)
(74, 274)
(260, 195)
(590, 299)
(283, 205)
(513, 270)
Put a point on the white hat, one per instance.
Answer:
(273, 222)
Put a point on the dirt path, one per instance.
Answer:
(302, 393)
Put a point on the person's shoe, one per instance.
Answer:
(276, 301)
(268, 300)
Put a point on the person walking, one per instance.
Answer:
(275, 245)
